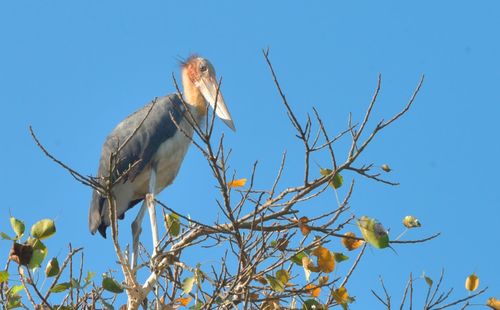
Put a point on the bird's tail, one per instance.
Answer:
(97, 206)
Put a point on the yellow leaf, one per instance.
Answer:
(304, 228)
(350, 243)
(326, 259)
(411, 222)
(340, 295)
(493, 303)
(472, 282)
(237, 183)
(183, 301)
(313, 290)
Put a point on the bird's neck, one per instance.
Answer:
(193, 96)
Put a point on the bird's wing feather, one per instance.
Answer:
(142, 146)
(140, 149)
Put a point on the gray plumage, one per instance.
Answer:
(157, 144)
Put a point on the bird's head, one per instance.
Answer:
(200, 87)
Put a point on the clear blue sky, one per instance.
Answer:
(75, 69)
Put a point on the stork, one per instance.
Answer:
(155, 148)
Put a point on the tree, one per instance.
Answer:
(277, 253)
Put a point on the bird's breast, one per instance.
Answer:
(169, 158)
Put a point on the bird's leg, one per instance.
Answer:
(150, 201)
(136, 232)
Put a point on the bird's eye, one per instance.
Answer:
(203, 68)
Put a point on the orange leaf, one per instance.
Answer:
(237, 183)
(183, 301)
(313, 290)
(326, 259)
(351, 244)
(304, 228)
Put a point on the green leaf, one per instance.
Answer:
(428, 280)
(336, 181)
(6, 237)
(17, 226)
(52, 268)
(16, 289)
(297, 258)
(37, 258)
(43, 229)
(311, 304)
(197, 306)
(111, 285)
(373, 232)
(4, 276)
(173, 224)
(283, 276)
(187, 285)
(276, 284)
(14, 302)
(75, 284)
(88, 278)
(340, 257)
(61, 287)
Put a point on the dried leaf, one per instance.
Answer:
(21, 253)
(43, 229)
(326, 259)
(304, 228)
(261, 280)
(237, 183)
(313, 290)
(307, 264)
(411, 222)
(472, 282)
(350, 243)
(493, 303)
(373, 232)
(270, 304)
(386, 168)
(323, 280)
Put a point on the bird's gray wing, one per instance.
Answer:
(141, 147)
(143, 144)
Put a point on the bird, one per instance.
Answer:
(152, 147)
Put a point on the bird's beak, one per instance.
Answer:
(208, 88)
